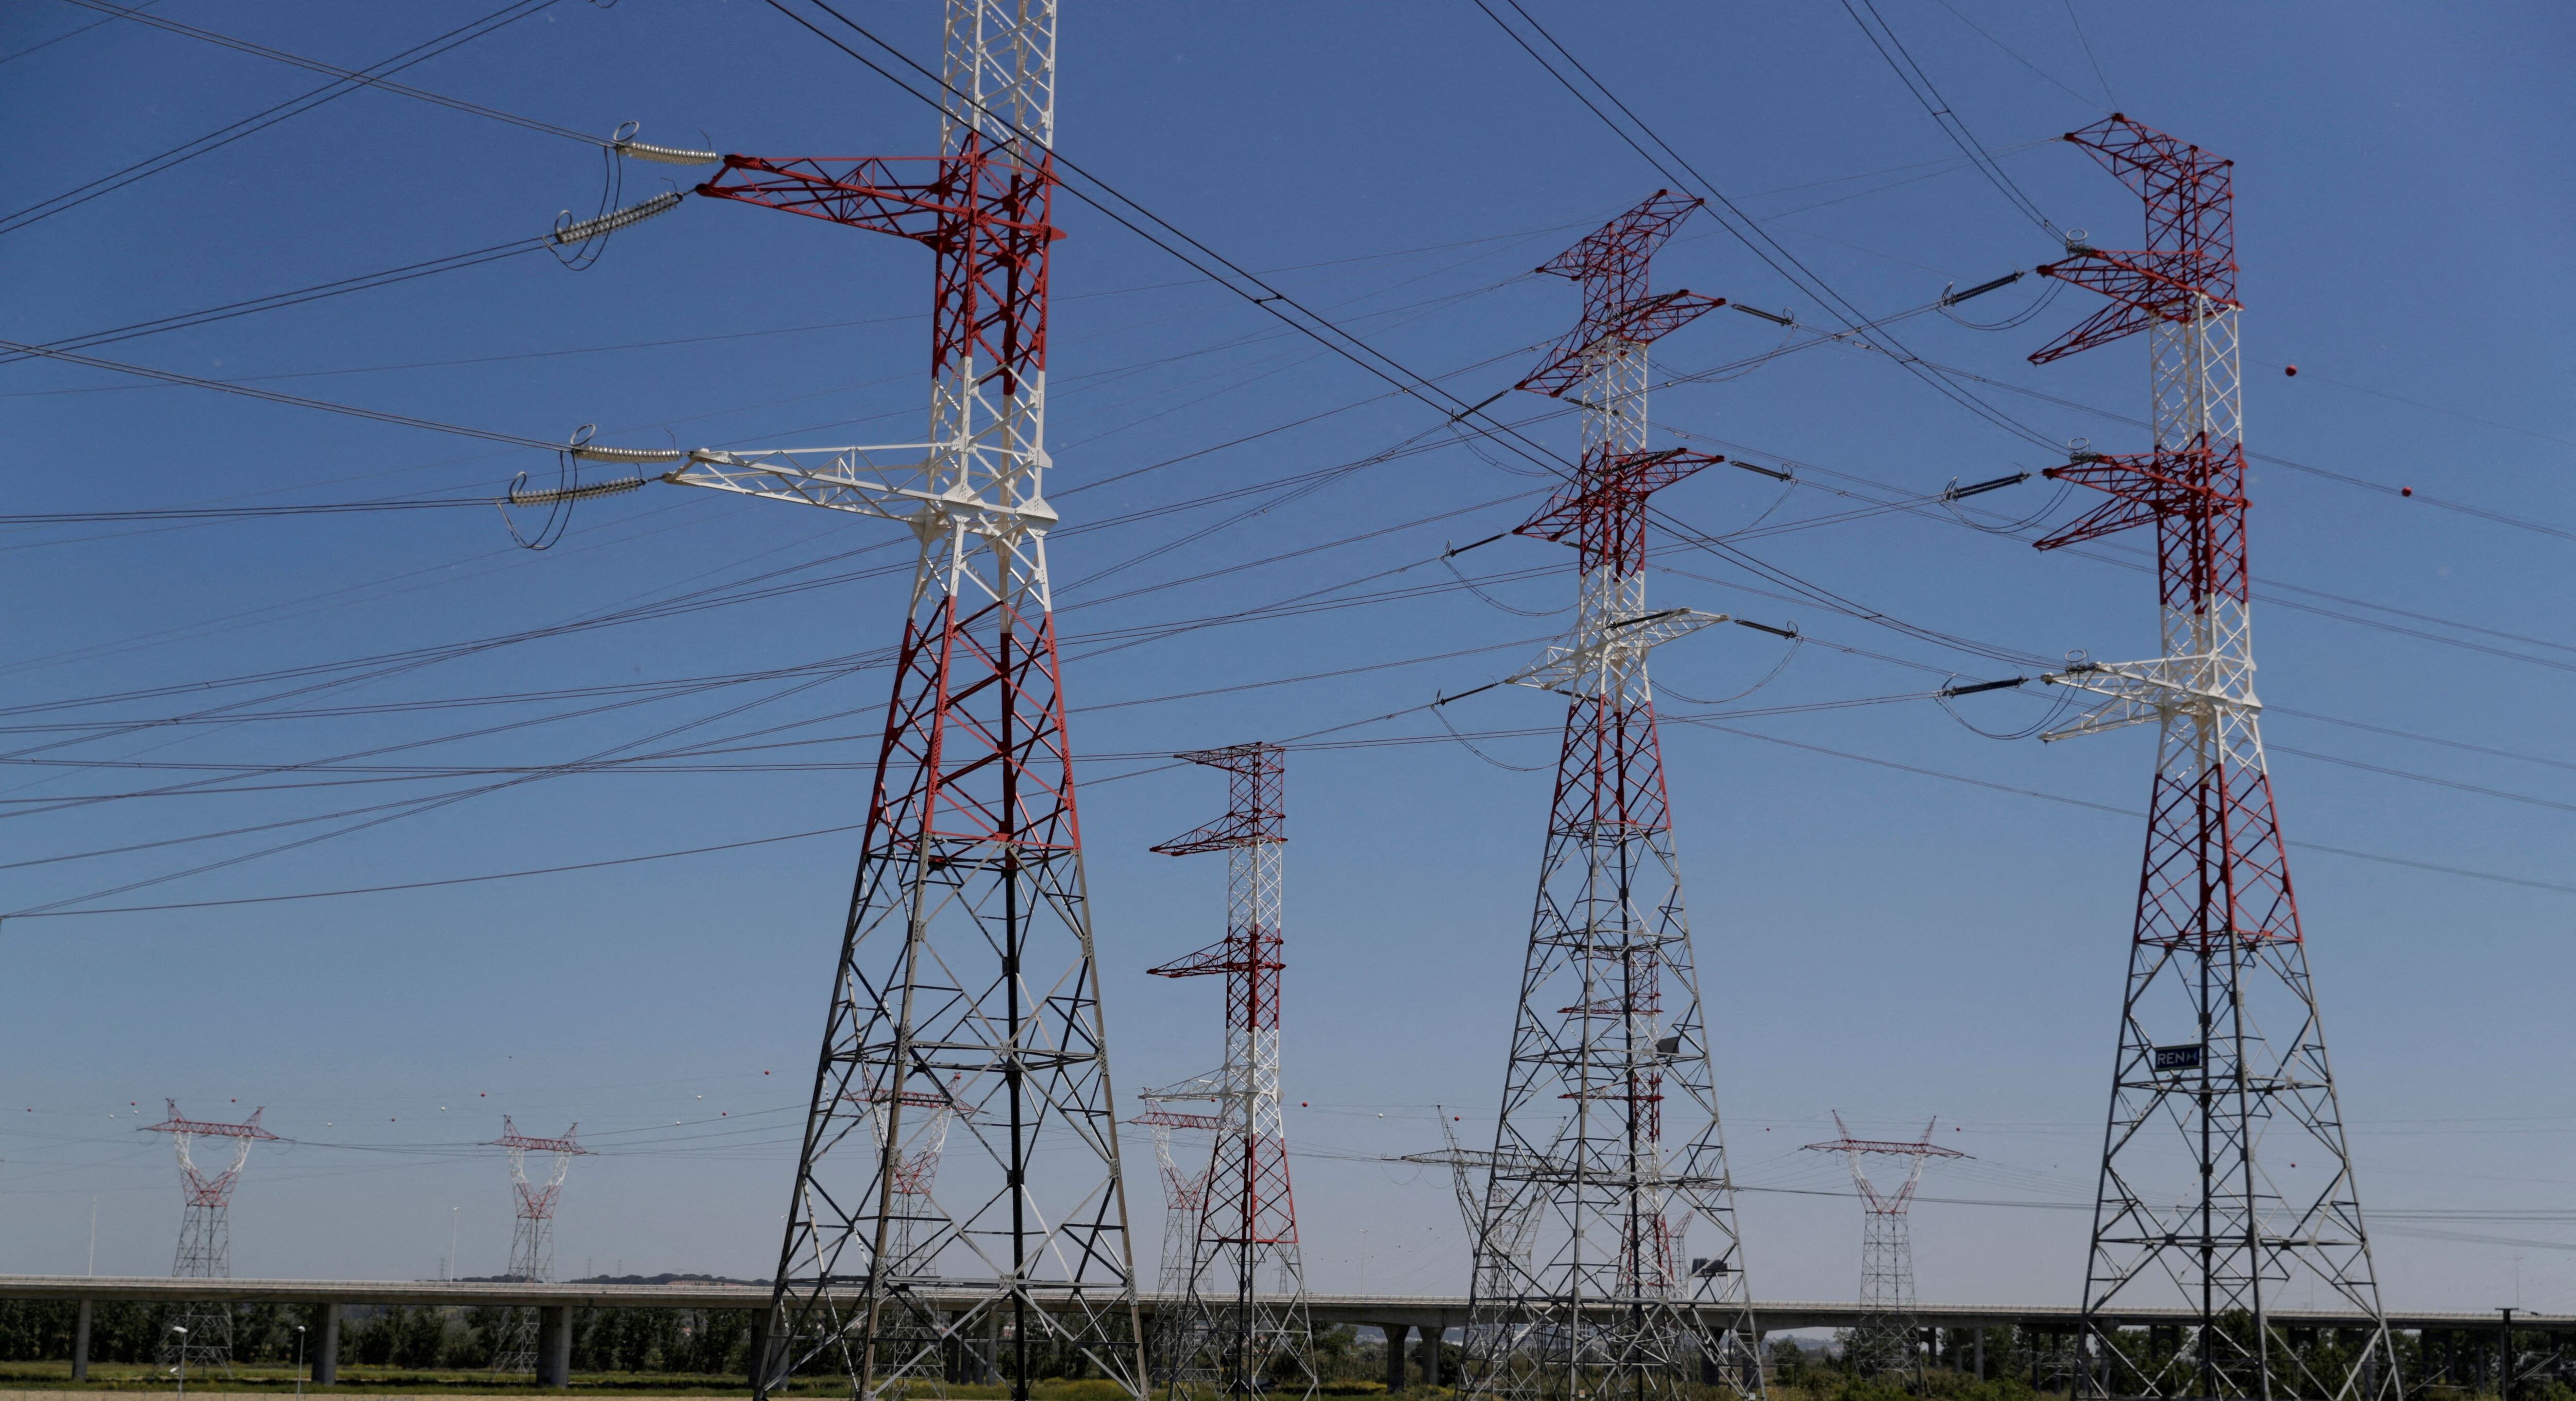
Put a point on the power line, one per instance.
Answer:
(1918, 83)
(1674, 167)
(277, 397)
(225, 135)
(136, 14)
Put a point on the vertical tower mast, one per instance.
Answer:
(2225, 1173)
(1241, 1339)
(966, 964)
(1887, 1338)
(205, 1234)
(532, 1234)
(1581, 1288)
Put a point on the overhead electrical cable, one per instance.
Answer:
(66, 34)
(1901, 61)
(369, 79)
(277, 397)
(297, 297)
(1682, 175)
(223, 136)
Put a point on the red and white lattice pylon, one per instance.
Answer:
(1608, 1263)
(532, 1234)
(1184, 1202)
(1887, 1338)
(2225, 1173)
(203, 1333)
(916, 1166)
(1247, 1321)
(966, 963)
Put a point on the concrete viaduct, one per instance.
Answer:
(1397, 1315)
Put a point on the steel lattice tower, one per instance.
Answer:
(966, 964)
(205, 1234)
(532, 1234)
(1602, 1302)
(1245, 1338)
(1184, 1202)
(2224, 1170)
(1887, 1338)
(1499, 1245)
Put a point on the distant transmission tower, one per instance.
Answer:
(966, 964)
(2225, 1174)
(1184, 1202)
(205, 1236)
(1603, 1303)
(1495, 1257)
(532, 1237)
(1888, 1337)
(915, 1166)
(1247, 1312)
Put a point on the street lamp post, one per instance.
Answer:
(182, 1331)
(299, 1359)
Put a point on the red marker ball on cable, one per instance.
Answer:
(2291, 370)
(2406, 491)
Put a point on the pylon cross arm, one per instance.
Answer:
(892, 482)
(1569, 668)
(2137, 692)
(865, 192)
(1643, 322)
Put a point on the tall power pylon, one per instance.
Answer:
(1600, 1067)
(1184, 1202)
(202, 1334)
(1247, 1311)
(2224, 1166)
(532, 1234)
(1887, 1338)
(966, 963)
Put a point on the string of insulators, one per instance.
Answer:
(610, 223)
(1976, 488)
(666, 155)
(594, 452)
(550, 495)
(1982, 288)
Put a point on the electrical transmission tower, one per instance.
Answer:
(1602, 1301)
(2225, 1174)
(1472, 1177)
(532, 1236)
(1184, 1201)
(1887, 1339)
(966, 964)
(203, 1334)
(1245, 1338)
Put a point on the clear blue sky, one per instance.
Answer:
(1884, 940)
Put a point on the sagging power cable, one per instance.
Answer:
(223, 136)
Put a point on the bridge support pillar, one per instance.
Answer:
(1431, 1335)
(326, 1346)
(554, 1345)
(80, 1343)
(1981, 1354)
(1395, 1353)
